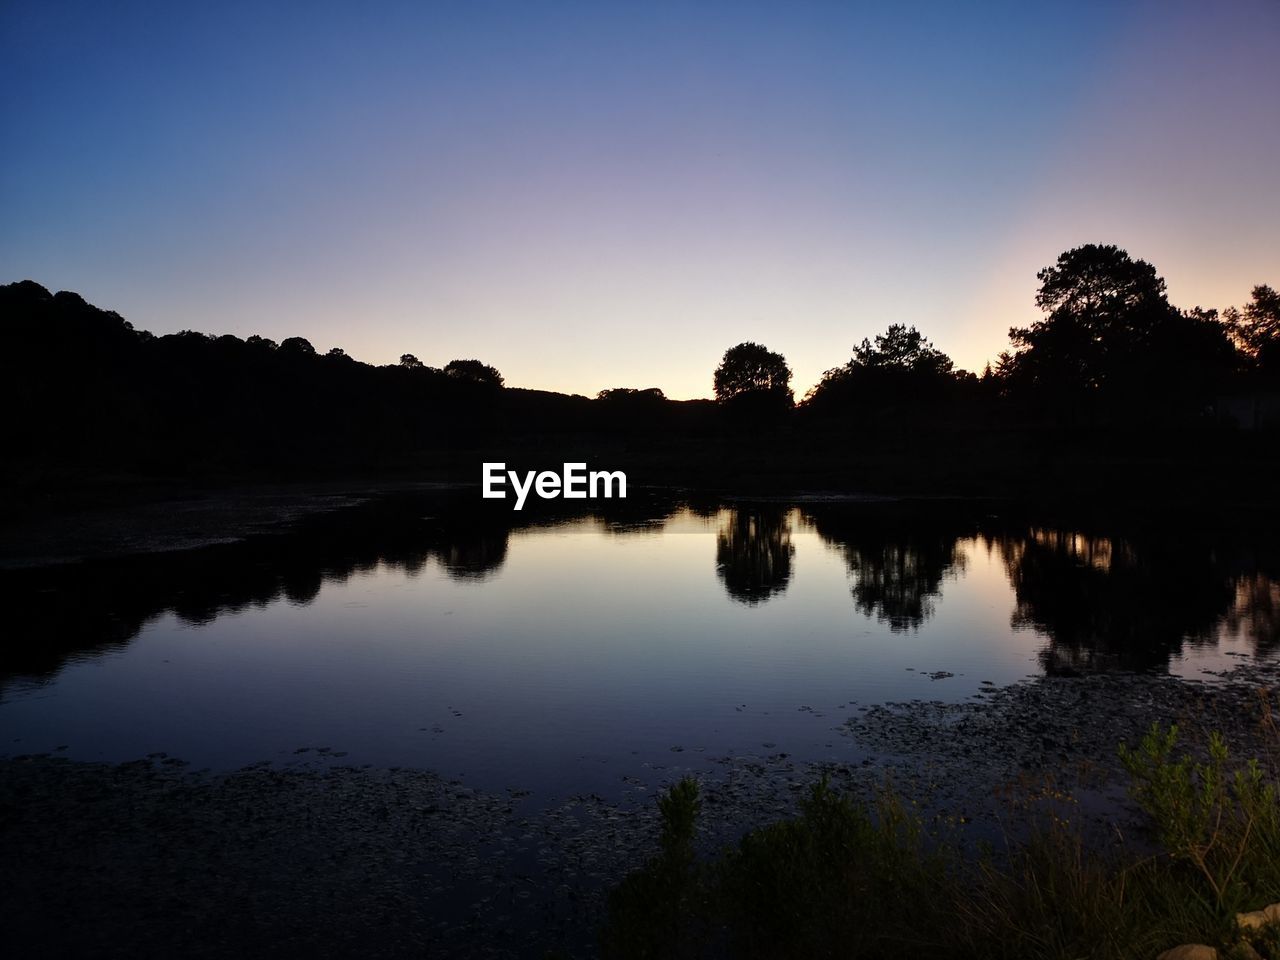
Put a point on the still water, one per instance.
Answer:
(563, 653)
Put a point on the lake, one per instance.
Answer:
(564, 653)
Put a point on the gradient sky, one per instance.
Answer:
(597, 195)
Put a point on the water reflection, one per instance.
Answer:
(897, 563)
(1256, 611)
(90, 609)
(78, 611)
(754, 551)
(1100, 598)
(1109, 601)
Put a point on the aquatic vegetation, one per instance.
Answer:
(846, 878)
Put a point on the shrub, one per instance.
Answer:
(1224, 823)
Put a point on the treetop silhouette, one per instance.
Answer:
(1111, 345)
(629, 394)
(473, 371)
(85, 391)
(900, 364)
(751, 369)
(1256, 330)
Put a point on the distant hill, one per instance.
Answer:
(82, 388)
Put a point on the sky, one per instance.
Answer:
(596, 195)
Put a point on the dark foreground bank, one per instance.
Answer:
(149, 859)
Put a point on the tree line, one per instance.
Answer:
(1109, 349)
(84, 390)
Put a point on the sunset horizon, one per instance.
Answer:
(527, 187)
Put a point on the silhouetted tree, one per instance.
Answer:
(901, 348)
(297, 346)
(1112, 342)
(753, 383)
(900, 366)
(1257, 329)
(473, 371)
(84, 391)
(628, 412)
(339, 356)
(629, 394)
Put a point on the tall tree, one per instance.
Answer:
(900, 366)
(1112, 344)
(1257, 329)
(901, 348)
(751, 370)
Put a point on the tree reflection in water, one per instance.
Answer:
(1104, 596)
(1255, 614)
(897, 561)
(753, 552)
(1123, 599)
(1119, 602)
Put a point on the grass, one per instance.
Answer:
(850, 879)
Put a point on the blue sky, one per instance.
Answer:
(599, 195)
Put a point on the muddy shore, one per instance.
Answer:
(166, 520)
(151, 859)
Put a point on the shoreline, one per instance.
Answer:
(131, 522)
(148, 855)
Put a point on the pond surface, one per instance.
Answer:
(564, 653)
